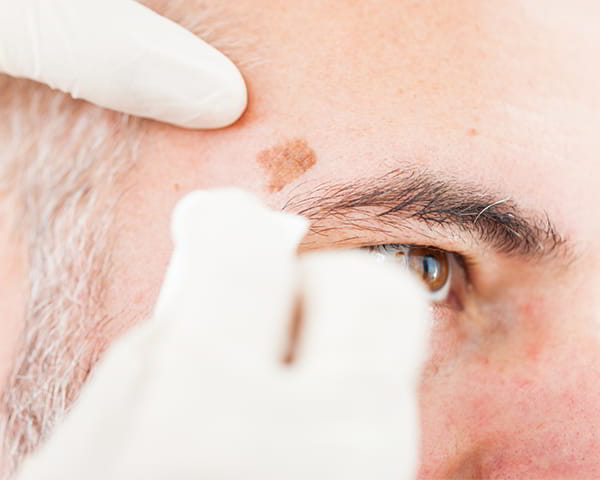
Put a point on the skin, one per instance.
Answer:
(286, 163)
(502, 94)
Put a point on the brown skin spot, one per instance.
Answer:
(472, 132)
(286, 162)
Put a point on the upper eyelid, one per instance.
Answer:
(467, 262)
(415, 245)
(366, 238)
(447, 289)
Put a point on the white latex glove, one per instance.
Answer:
(199, 392)
(120, 55)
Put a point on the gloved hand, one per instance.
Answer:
(201, 391)
(120, 55)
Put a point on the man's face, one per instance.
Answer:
(489, 97)
(467, 126)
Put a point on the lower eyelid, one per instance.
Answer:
(452, 302)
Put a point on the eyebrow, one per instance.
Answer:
(432, 198)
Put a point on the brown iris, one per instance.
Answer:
(431, 265)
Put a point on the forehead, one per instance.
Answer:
(502, 93)
(441, 50)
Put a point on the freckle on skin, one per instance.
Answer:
(286, 162)
(472, 132)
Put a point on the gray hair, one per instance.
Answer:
(60, 171)
(62, 163)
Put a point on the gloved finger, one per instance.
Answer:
(232, 275)
(226, 290)
(348, 414)
(121, 55)
(360, 317)
(222, 313)
(360, 353)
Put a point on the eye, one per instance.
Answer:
(435, 267)
(431, 265)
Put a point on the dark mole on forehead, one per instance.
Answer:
(286, 162)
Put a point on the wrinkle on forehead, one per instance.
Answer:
(286, 162)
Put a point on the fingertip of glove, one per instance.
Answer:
(225, 106)
(207, 89)
(156, 70)
(204, 213)
(382, 310)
